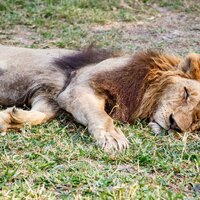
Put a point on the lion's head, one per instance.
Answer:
(154, 86)
(178, 106)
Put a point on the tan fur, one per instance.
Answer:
(163, 89)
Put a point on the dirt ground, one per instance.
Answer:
(172, 31)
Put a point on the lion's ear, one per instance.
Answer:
(191, 65)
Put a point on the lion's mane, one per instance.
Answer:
(134, 91)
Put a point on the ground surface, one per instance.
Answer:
(58, 160)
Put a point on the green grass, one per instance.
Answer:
(179, 5)
(59, 160)
(68, 23)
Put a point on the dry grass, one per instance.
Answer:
(58, 160)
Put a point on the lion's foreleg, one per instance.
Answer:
(88, 109)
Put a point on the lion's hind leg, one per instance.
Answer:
(14, 118)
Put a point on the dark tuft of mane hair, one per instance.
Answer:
(80, 59)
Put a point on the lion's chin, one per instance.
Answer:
(156, 127)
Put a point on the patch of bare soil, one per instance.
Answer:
(173, 32)
(20, 35)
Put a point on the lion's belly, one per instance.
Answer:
(13, 88)
(19, 88)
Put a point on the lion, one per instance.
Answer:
(97, 87)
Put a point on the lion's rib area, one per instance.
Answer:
(133, 91)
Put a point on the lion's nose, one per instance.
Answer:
(173, 124)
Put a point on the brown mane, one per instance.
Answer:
(133, 91)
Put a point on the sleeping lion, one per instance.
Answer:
(97, 87)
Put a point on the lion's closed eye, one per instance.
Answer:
(186, 94)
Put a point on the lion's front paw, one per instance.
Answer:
(3, 130)
(113, 140)
(155, 128)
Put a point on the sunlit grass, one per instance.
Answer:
(59, 160)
